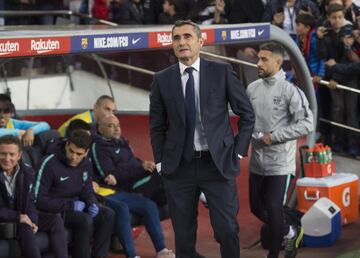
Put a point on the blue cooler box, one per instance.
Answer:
(322, 224)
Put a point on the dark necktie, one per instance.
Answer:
(190, 115)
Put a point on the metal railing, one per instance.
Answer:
(322, 82)
(101, 60)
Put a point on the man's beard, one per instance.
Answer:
(263, 74)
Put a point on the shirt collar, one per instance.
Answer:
(280, 75)
(195, 65)
(17, 169)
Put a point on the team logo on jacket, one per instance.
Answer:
(85, 176)
(277, 100)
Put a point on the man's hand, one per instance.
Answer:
(316, 79)
(28, 137)
(332, 85)
(34, 228)
(110, 180)
(330, 62)
(266, 138)
(250, 52)
(93, 210)
(321, 32)
(148, 165)
(25, 220)
(348, 41)
(95, 186)
(307, 11)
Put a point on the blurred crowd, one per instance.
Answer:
(326, 31)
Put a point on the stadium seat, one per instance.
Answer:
(41, 139)
(11, 248)
(36, 155)
(25, 157)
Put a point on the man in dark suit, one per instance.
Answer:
(193, 143)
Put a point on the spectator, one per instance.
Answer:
(244, 11)
(356, 46)
(64, 185)
(118, 169)
(344, 104)
(17, 203)
(352, 11)
(306, 39)
(48, 5)
(127, 12)
(323, 21)
(208, 12)
(19, 5)
(100, 9)
(25, 130)
(104, 106)
(283, 13)
(170, 12)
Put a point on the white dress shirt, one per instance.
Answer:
(200, 142)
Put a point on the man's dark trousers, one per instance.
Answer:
(182, 191)
(100, 227)
(53, 225)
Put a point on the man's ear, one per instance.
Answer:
(201, 40)
(279, 61)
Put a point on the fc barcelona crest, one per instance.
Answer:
(84, 43)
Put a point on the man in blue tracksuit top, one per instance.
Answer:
(17, 204)
(64, 184)
(25, 130)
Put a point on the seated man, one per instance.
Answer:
(17, 203)
(111, 172)
(25, 130)
(113, 157)
(64, 184)
(104, 106)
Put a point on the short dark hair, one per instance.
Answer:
(77, 124)
(274, 48)
(80, 139)
(10, 139)
(306, 19)
(180, 23)
(5, 97)
(334, 8)
(104, 97)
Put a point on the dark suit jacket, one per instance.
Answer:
(219, 86)
(24, 192)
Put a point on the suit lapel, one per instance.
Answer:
(177, 91)
(205, 76)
